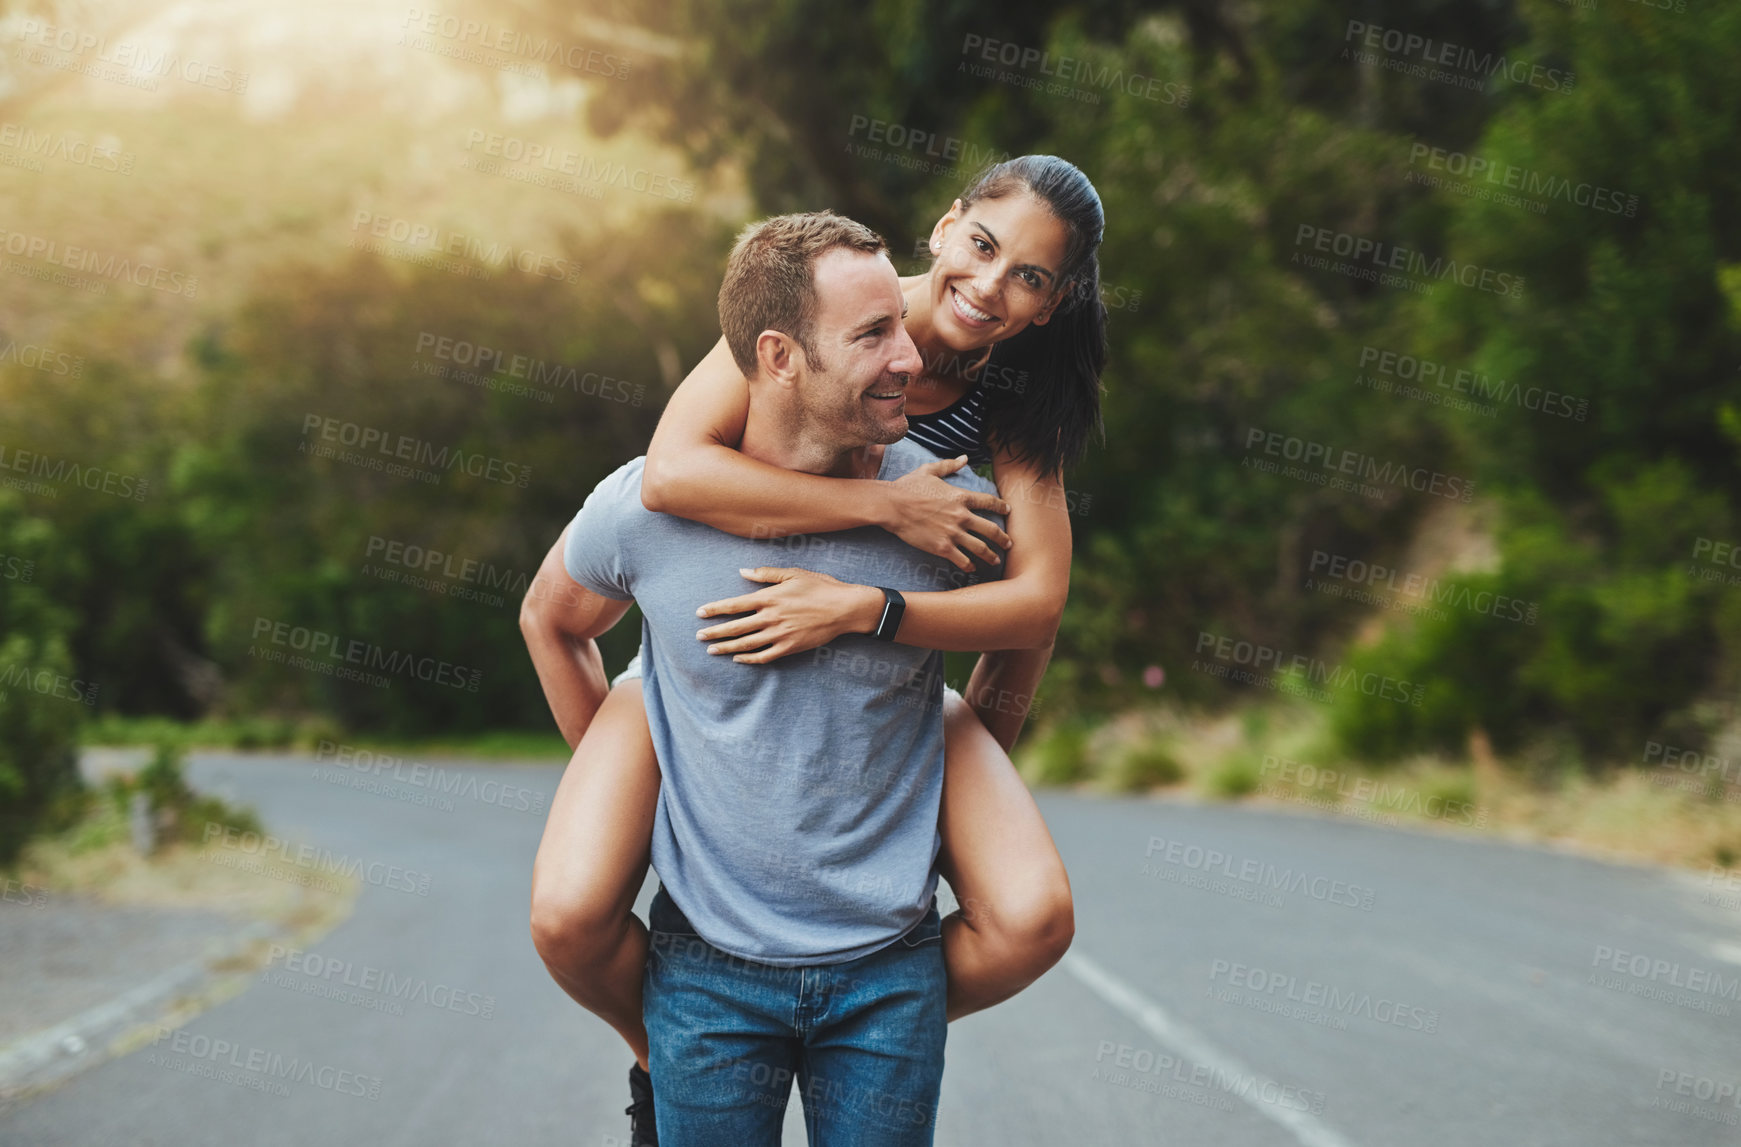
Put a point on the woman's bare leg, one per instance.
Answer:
(591, 864)
(1016, 917)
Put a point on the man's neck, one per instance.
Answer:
(785, 443)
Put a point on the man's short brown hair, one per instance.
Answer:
(770, 279)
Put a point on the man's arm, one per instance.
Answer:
(559, 619)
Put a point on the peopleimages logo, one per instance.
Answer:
(106, 266)
(1394, 366)
(1064, 70)
(1511, 177)
(430, 239)
(1317, 994)
(46, 359)
(565, 161)
(411, 450)
(1394, 257)
(259, 1069)
(322, 649)
(917, 147)
(135, 64)
(425, 560)
(1335, 460)
(1341, 784)
(48, 683)
(1436, 55)
(229, 847)
(457, 782)
(320, 972)
(66, 148)
(1421, 586)
(489, 361)
(61, 471)
(425, 29)
(1307, 669)
(1256, 872)
(1647, 972)
(1143, 1070)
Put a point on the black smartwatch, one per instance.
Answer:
(894, 605)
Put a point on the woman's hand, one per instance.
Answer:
(801, 610)
(931, 515)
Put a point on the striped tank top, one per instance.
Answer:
(958, 428)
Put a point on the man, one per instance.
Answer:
(794, 937)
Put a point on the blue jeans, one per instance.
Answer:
(863, 1040)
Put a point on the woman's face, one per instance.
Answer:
(997, 269)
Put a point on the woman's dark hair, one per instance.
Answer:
(1049, 418)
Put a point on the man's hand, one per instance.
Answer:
(801, 610)
(931, 515)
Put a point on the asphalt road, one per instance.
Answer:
(1444, 991)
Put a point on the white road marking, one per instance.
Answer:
(1726, 951)
(1152, 1018)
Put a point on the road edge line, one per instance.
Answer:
(1152, 1018)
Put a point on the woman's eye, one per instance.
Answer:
(981, 245)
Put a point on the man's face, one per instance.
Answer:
(861, 340)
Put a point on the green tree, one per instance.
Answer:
(1626, 312)
(41, 695)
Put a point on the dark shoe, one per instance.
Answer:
(642, 1130)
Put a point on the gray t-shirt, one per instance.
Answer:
(797, 818)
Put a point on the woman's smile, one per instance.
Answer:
(967, 312)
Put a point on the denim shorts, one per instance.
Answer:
(729, 1037)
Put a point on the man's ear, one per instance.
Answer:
(779, 357)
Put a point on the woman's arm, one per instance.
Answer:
(1002, 690)
(694, 470)
(1016, 617)
(1022, 609)
(1027, 602)
(1019, 611)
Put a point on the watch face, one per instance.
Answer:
(890, 620)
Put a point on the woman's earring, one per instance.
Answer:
(935, 245)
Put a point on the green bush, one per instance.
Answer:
(181, 814)
(1595, 646)
(1145, 766)
(1234, 777)
(1059, 756)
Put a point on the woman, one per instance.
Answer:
(1016, 268)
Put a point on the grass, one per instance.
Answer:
(307, 736)
(244, 733)
(501, 744)
(1282, 756)
(94, 859)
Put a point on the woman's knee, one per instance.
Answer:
(572, 931)
(1030, 925)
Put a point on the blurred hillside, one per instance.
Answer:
(223, 140)
(1422, 405)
